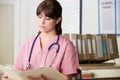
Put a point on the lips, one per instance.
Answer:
(42, 26)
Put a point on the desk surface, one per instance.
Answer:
(102, 67)
(90, 67)
(116, 78)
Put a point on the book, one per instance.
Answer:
(79, 41)
(94, 48)
(104, 47)
(73, 38)
(99, 46)
(49, 73)
(88, 42)
(84, 50)
(112, 46)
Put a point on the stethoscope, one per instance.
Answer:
(28, 65)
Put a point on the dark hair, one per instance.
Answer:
(52, 9)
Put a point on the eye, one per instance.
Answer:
(47, 18)
(40, 16)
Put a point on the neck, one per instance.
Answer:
(47, 35)
(46, 38)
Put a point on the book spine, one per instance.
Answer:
(99, 46)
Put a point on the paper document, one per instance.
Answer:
(49, 73)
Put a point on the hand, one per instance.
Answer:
(5, 77)
(38, 78)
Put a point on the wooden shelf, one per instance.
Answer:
(99, 67)
(116, 78)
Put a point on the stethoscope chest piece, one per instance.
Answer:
(28, 66)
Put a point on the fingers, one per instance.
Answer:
(5, 77)
(36, 78)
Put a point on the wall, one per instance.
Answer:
(6, 34)
(90, 17)
(16, 24)
(25, 20)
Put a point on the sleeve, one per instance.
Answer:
(70, 62)
(19, 62)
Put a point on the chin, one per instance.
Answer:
(43, 31)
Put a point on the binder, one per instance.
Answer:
(84, 51)
(79, 41)
(88, 41)
(99, 46)
(73, 38)
(94, 47)
(104, 47)
(81, 47)
(112, 46)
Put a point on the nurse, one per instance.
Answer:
(39, 51)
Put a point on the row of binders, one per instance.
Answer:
(95, 46)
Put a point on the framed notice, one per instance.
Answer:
(106, 14)
(109, 16)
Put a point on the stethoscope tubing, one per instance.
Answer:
(56, 43)
(32, 47)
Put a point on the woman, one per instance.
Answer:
(65, 60)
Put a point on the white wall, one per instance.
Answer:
(90, 17)
(25, 20)
(6, 34)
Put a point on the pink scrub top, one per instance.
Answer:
(66, 60)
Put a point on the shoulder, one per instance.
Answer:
(66, 42)
(28, 41)
(64, 39)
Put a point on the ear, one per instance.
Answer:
(58, 20)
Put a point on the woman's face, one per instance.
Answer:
(46, 24)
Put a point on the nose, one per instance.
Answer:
(43, 21)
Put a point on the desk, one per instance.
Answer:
(84, 67)
(116, 78)
(102, 72)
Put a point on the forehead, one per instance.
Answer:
(42, 13)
